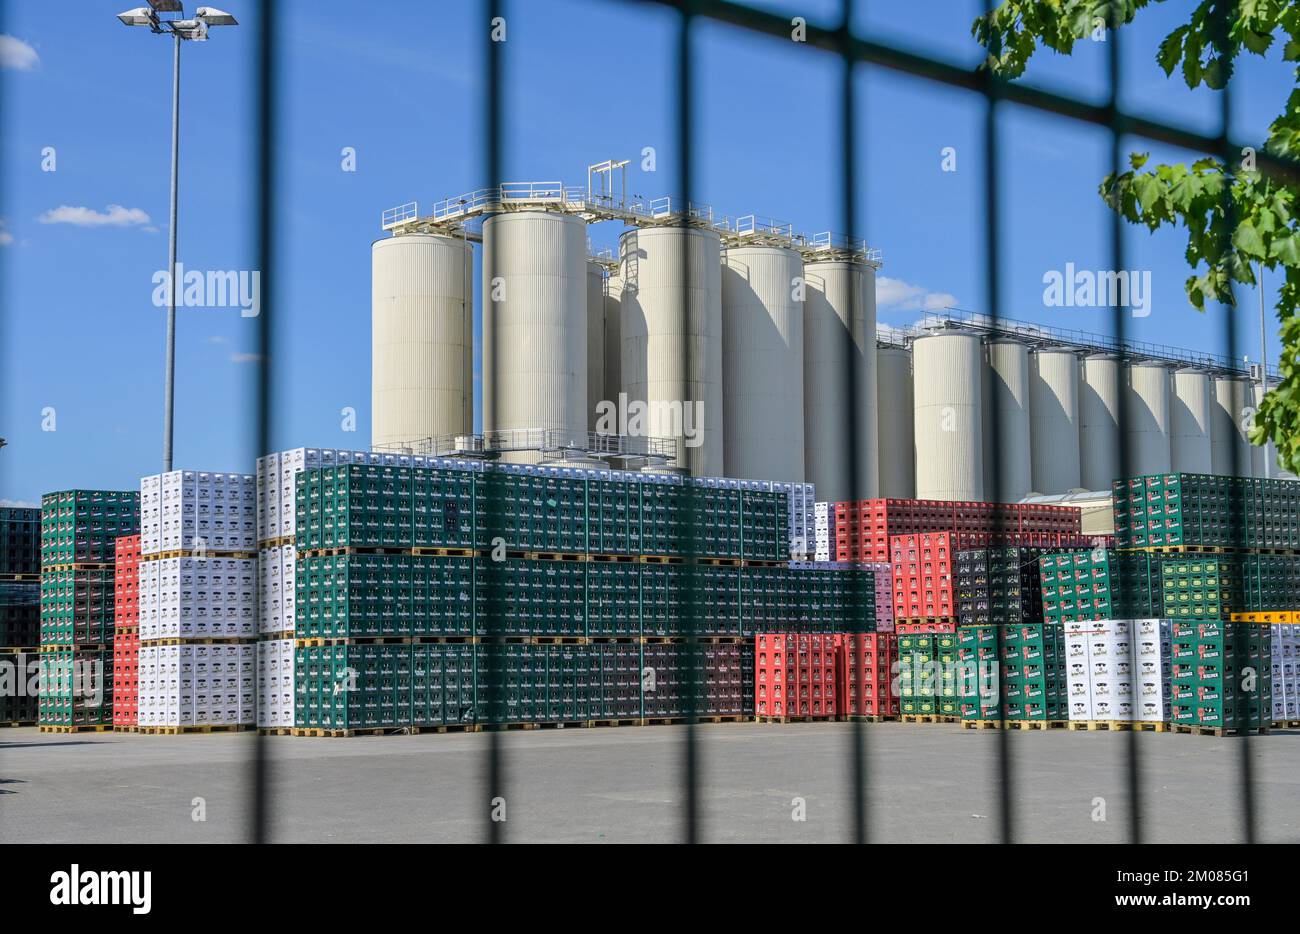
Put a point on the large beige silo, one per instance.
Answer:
(895, 419)
(948, 422)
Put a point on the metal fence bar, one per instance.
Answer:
(265, 220)
(853, 377)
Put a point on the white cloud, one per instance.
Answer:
(245, 358)
(17, 54)
(895, 293)
(6, 238)
(19, 504)
(218, 339)
(115, 216)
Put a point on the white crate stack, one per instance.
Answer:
(1286, 671)
(197, 511)
(198, 583)
(821, 531)
(198, 598)
(275, 686)
(799, 516)
(196, 685)
(883, 572)
(1118, 669)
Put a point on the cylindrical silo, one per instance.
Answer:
(613, 337)
(1101, 389)
(947, 390)
(535, 325)
(1008, 467)
(895, 434)
(422, 334)
(1147, 418)
(762, 363)
(672, 321)
(1230, 451)
(595, 341)
(1189, 422)
(839, 352)
(1054, 419)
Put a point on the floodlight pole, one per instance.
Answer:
(169, 403)
(1263, 366)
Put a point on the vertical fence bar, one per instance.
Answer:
(854, 375)
(264, 207)
(688, 539)
(1119, 321)
(992, 232)
(493, 487)
(1220, 22)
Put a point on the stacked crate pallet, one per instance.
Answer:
(501, 562)
(822, 539)
(1286, 673)
(794, 676)
(1099, 584)
(864, 672)
(1118, 673)
(1201, 510)
(861, 530)
(1013, 673)
(79, 532)
(922, 566)
(928, 688)
(883, 574)
(198, 610)
(20, 610)
(126, 633)
(1221, 676)
(998, 584)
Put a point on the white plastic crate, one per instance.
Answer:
(275, 687)
(197, 684)
(1098, 659)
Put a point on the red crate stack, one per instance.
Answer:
(862, 529)
(863, 674)
(922, 567)
(126, 630)
(794, 675)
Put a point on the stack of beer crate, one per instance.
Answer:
(1014, 674)
(1286, 673)
(20, 610)
(864, 671)
(998, 584)
(1221, 677)
(794, 676)
(1099, 584)
(822, 540)
(198, 593)
(79, 532)
(922, 566)
(1118, 673)
(927, 676)
(126, 633)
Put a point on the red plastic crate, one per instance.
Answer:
(126, 630)
(864, 674)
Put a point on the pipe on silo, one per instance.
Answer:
(666, 320)
(1190, 446)
(595, 341)
(1006, 421)
(840, 350)
(1054, 419)
(947, 390)
(1101, 393)
(895, 434)
(762, 363)
(422, 338)
(1147, 418)
(535, 324)
(1230, 410)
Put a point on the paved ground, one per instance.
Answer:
(929, 784)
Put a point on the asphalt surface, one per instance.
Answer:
(926, 784)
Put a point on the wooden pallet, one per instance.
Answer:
(1151, 726)
(446, 552)
(22, 578)
(203, 728)
(82, 728)
(200, 640)
(1219, 731)
(659, 559)
(120, 728)
(612, 559)
(868, 718)
(721, 562)
(274, 730)
(1286, 724)
(277, 542)
(18, 723)
(76, 647)
(920, 718)
(625, 721)
(762, 563)
(762, 719)
(1015, 724)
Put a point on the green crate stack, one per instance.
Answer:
(613, 599)
(719, 516)
(1092, 584)
(613, 517)
(20, 541)
(1205, 586)
(20, 613)
(948, 689)
(1162, 510)
(370, 595)
(76, 688)
(1272, 582)
(1030, 675)
(1210, 685)
(918, 686)
(542, 598)
(535, 512)
(82, 526)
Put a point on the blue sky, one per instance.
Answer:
(587, 80)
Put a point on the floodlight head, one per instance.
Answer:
(194, 29)
(140, 16)
(214, 17)
(166, 6)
